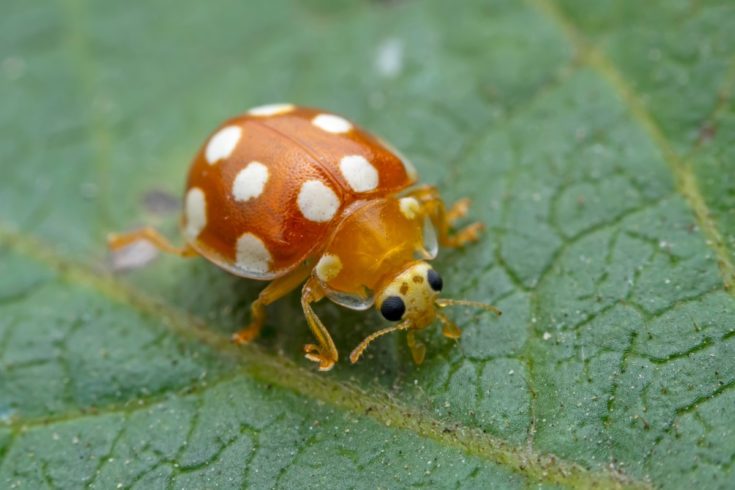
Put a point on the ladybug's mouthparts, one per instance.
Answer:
(449, 328)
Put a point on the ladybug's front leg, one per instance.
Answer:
(443, 219)
(418, 348)
(325, 353)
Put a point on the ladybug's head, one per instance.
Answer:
(410, 295)
(411, 298)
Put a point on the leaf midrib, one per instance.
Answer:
(255, 362)
(264, 366)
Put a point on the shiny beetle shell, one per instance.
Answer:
(265, 188)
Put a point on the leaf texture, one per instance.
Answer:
(594, 138)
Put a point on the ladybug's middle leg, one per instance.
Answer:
(443, 219)
(325, 353)
(274, 291)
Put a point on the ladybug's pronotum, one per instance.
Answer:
(295, 195)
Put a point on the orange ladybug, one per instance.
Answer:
(297, 195)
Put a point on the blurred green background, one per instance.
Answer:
(596, 140)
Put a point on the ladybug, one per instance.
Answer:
(294, 195)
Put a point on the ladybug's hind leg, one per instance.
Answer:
(325, 353)
(443, 219)
(118, 241)
(274, 291)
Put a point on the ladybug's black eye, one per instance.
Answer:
(393, 308)
(435, 280)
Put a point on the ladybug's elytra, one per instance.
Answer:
(296, 195)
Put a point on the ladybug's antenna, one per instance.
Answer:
(357, 353)
(444, 302)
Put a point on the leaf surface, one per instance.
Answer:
(595, 139)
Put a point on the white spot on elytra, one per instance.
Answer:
(271, 109)
(317, 202)
(328, 267)
(250, 181)
(409, 207)
(332, 123)
(252, 255)
(196, 212)
(359, 173)
(389, 61)
(222, 144)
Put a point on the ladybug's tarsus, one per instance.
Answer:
(458, 210)
(295, 195)
(247, 334)
(468, 234)
(326, 352)
(319, 355)
(443, 220)
(449, 329)
(417, 348)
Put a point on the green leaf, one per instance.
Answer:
(595, 139)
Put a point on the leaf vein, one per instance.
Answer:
(686, 181)
(284, 373)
